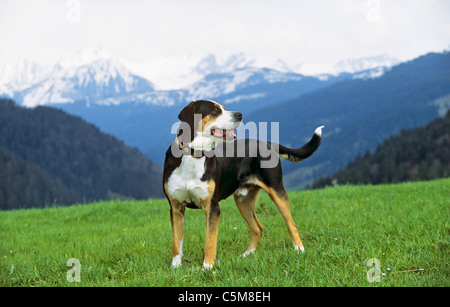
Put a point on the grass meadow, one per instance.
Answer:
(128, 243)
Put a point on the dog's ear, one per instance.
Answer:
(187, 113)
(186, 130)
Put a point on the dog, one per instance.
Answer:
(206, 164)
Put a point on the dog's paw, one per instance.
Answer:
(176, 262)
(248, 252)
(207, 266)
(299, 249)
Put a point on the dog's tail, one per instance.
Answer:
(300, 154)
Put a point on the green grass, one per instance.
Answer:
(128, 243)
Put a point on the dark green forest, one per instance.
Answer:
(49, 157)
(23, 185)
(415, 154)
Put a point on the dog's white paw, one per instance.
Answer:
(207, 266)
(248, 252)
(299, 248)
(176, 261)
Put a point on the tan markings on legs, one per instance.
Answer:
(212, 228)
(212, 213)
(280, 198)
(177, 222)
(247, 205)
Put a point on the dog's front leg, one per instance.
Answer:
(177, 221)
(212, 212)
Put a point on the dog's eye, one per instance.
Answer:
(216, 110)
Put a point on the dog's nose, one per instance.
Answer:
(237, 116)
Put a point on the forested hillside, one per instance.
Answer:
(60, 149)
(415, 154)
(25, 186)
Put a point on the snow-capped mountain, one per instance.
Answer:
(368, 67)
(357, 65)
(19, 74)
(85, 57)
(96, 76)
(93, 75)
(212, 65)
(178, 72)
(215, 85)
(167, 72)
(219, 84)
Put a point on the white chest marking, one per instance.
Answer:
(185, 185)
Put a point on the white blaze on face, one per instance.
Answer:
(226, 121)
(224, 125)
(220, 130)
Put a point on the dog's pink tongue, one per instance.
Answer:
(224, 133)
(218, 132)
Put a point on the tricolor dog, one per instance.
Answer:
(205, 164)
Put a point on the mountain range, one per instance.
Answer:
(98, 76)
(360, 101)
(108, 91)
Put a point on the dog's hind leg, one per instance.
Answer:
(245, 199)
(280, 198)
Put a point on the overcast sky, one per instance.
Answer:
(292, 30)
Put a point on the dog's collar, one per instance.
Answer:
(182, 145)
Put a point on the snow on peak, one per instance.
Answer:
(362, 64)
(242, 60)
(19, 73)
(92, 75)
(350, 66)
(177, 72)
(96, 75)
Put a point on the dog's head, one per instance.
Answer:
(204, 123)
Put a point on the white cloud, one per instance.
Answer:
(319, 32)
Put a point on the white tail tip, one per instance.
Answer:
(319, 131)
